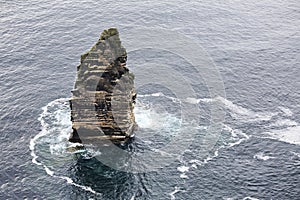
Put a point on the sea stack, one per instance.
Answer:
(104, 95)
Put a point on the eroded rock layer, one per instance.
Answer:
(104, 94)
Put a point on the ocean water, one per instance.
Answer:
(255, 47)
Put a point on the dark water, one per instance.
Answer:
(254, 44)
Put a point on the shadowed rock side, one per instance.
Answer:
(104, 94)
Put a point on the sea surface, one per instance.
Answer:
(255, 48)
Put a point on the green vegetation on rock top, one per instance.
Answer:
(108, 33)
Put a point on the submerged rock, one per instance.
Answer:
(104, 94)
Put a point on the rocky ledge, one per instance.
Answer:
(104, 94)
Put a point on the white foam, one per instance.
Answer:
(63, 119)
(43, 132)
(70, 181)
(236, 133)
(284, 122)
(157, 94)
(5, 185)
(75, 145)
(290, 135)
(176, 190)
(183, 169)
(192, 100)
(160, 94)
(194, 166)
(262, 156)
(144, 117)
(132, 198)
(250, 198)
(184, 176)
(286, 111)
(195, 161)
(148, 117)
(236, 111)
(48, 171)
(295, 153)
(244, 114)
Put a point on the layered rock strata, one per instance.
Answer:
(104, 94)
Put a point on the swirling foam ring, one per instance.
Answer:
(166, 40)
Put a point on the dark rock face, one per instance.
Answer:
(104, 94)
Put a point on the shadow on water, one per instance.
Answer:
(108, 183)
